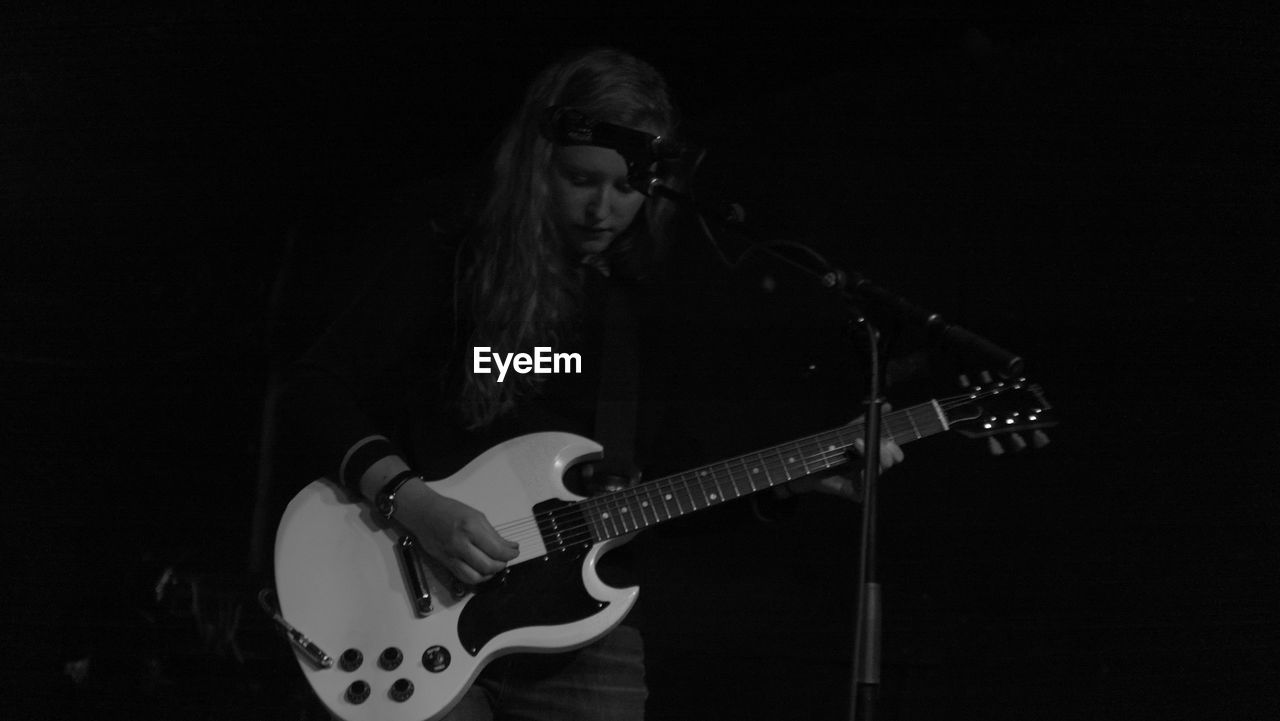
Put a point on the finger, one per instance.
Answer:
(839, 486)
(896, 451)
(890, 454)
(464, 573)
(485, 538)
(888, 450)
(480, 562)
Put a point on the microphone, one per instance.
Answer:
(970, 346)
(567, 126)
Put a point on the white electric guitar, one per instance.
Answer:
(383, 632)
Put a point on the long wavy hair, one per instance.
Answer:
(517, 286)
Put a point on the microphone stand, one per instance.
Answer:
(864, 688)
(865, 685)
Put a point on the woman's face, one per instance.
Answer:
(592, 202)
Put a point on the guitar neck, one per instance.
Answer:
(648, 504)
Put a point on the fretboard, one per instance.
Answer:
(648, 504)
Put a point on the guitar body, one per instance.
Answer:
(342, 582)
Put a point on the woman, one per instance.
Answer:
(557, 231)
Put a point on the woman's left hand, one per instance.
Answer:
(838, 484)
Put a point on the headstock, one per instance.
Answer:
(1001, 412)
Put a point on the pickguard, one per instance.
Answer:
(544, 592)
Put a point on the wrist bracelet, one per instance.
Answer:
(385, 502)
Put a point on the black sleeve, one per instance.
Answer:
(358, 378)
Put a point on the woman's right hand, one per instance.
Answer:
(453, 533)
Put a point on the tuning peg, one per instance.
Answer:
(985, 376)
(1017, 441)
(994, 446)
(964, 381)
(1039, 439)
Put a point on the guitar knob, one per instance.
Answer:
(436, 659)
(350, 659)
(390, 659)
(994, 447)
(1017, 441)
(1039, 439)
(401, 690)
(357, 692)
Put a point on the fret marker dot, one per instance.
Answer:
(703, 473)
(755, 470)
(831, 448)
(626, 510)
(667, 497)
(713, 496)
(644, 504)
(605, 514)
(791, 459)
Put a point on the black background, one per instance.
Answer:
(1095, 191)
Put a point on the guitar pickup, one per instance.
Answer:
(414, 567)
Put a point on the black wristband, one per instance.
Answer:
(385, 502)
(370, 451)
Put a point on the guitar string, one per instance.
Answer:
(671, 482)
(712, 480)
(703, 479)
(620, 504)
(581, 532)
(614, 507)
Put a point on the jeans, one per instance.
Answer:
(600, 682)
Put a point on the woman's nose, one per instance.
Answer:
(598, 206)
